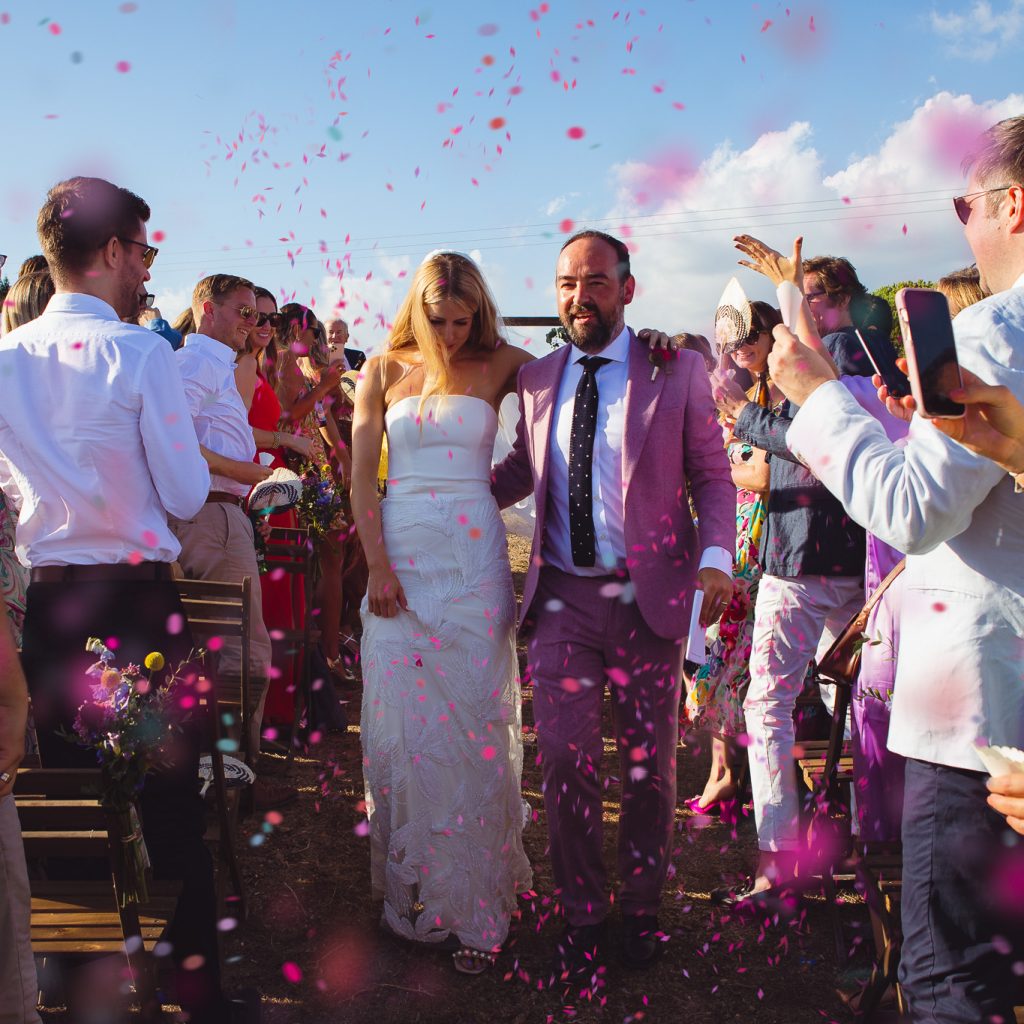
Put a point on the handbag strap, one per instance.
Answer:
(882, 587)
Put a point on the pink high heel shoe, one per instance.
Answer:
(727, 810)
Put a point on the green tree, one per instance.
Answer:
(888, 292)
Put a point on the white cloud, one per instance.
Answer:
(780, 187)
(556, 205)
(173, 301)
(981, 32)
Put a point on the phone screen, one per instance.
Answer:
(883, 359)
(931, 334)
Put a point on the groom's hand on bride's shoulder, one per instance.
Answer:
(657, 339)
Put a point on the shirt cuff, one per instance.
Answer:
(718, 558)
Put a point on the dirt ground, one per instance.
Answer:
(313, 948)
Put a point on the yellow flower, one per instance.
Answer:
(154, 661)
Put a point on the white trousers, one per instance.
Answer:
(18, 985)
(795, 619)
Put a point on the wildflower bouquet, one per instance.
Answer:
(320, 504)
(129, 722)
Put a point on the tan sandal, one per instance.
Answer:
(473, 961)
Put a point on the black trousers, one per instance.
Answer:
(962, 902)
(138, 617)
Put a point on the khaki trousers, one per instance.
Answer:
(18, 985)
(218, 544)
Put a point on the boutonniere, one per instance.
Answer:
(659, 357)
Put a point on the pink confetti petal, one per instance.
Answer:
(123, 67)
(575, 132)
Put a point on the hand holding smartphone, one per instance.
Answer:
(932, 362)
(883, 358)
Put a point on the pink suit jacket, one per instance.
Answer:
(672, 450)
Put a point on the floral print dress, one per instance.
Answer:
(715, 698)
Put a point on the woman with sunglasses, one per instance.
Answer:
(255, 372)
(306, 386)
(714, 703)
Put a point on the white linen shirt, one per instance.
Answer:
(608, 485)
(218, 412)
(96, 442)
(960, 671)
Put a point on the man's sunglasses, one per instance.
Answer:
(146, 301)
(963, 204)
(148, 251)
(274, 319)
(245, 312)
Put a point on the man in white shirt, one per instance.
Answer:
(613, 447)
(960, 675)
(96, 448)
(217, 543)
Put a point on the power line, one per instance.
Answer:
(543, 238)
(553, 226)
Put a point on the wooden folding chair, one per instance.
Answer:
(879, 871)
(291, 550)
(215, 610)
(61, 817)
(827, 771)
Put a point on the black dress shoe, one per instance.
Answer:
(579, 961)
(641, 941)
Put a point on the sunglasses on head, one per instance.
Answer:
(964, 204)
(148, 251)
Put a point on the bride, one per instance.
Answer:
(441, 725)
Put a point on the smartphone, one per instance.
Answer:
(933, 367)
(883, 358)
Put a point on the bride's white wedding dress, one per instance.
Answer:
(441, 718)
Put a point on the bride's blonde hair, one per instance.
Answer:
(444, 275)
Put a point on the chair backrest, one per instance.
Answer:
(62, 817)
(291, 549)
(215, 610)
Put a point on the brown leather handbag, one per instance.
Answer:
(841, 662)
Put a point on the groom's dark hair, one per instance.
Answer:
(621, 251)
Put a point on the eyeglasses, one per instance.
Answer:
(148, 251)
(963, 204)
(245, 312)
(274, 319)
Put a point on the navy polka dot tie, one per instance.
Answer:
(581, 463)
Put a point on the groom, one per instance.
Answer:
(614, 449)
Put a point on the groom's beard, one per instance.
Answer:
(591, 335)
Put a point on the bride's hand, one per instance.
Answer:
(384, 593)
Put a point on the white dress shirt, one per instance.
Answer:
(96, 443)
(960, 671)
(218, 412)
(608, 484)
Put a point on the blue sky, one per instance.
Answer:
(292, 143)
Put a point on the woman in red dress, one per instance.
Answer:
(283, 603)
